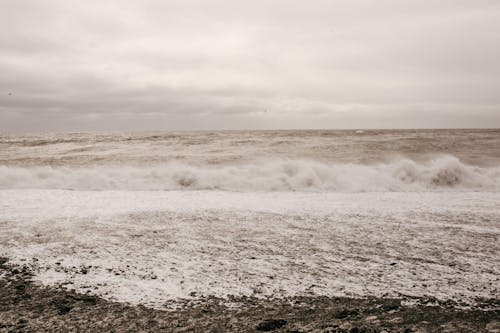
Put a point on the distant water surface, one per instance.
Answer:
(477, 147)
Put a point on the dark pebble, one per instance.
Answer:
(345, 313)
(63, 310)
(20, 287)
(89, 299)
(390, 307)
(270, 325)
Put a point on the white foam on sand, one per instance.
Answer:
(151, 247)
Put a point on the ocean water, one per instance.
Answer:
(345, 161)
(152, 218)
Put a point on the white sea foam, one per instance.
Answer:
(441, 174)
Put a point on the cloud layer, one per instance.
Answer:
(222, 64)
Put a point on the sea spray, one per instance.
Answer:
(445, 173)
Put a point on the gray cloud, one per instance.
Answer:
(140, 65)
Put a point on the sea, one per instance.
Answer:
(156, 218)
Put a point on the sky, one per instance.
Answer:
(123, 65)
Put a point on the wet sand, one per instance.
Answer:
(28, 307)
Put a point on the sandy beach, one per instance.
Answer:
(29, 307)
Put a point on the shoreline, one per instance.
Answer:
(28, 307)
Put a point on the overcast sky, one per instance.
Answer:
(227, 64)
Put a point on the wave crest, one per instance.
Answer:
(442, 174)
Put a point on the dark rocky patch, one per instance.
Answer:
(27, 307)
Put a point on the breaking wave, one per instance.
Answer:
(446, 173)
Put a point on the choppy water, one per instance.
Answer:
(390, 160)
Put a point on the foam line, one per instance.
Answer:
(441, 174)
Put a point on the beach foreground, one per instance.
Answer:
(156, 247)
(28, 307)
(209, 261)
